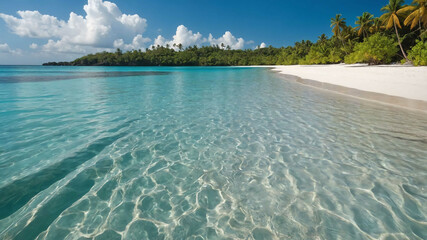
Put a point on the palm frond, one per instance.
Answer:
(389, 23)
(396, 20)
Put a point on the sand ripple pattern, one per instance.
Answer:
(205, 153)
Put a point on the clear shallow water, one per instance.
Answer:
(203, 153)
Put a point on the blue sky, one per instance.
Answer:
(240, 24)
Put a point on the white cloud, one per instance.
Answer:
(228, 40)
(103, 27)
(160, 41)
(182, 36)
(262, 45)
(34, 46)
(33, 24)
(4, 48)
(187, 38)
(138, 42)
(61, 46)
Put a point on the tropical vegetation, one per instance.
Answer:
(398, 35)
(418, 54)
(373, 50)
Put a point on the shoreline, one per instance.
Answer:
(397, 85)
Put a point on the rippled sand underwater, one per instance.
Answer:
(203, 153)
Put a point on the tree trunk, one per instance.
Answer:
(400, 44)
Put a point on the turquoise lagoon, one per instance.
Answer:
(203, 153)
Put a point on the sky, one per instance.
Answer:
(33, 32)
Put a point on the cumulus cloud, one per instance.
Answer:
(138, 42)
(227, 40)
(104, 26)
(160, 41)
(4, 48)
(182, 36)
(34, 46)
(262, 45)
(63, 47)
(33, 24)
(187, 38)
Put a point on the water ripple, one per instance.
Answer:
(205, 153)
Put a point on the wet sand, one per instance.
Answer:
(404, 86)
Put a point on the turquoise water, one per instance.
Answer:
(203, 153)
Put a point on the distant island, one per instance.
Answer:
(399, 35)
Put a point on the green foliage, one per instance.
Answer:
(295, 55)
(191, 56)
(288, 56)
(325, 51)
(377, 49)
(418, 54)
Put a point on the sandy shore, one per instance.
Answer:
(405, 86)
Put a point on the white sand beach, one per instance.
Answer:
(387, 83)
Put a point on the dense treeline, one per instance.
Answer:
(191, 56)
(399, 35)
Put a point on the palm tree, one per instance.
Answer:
(365, 22)
(418, 15)
(322, 38)
(376, 25)
(337, 24)
(393, 10)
